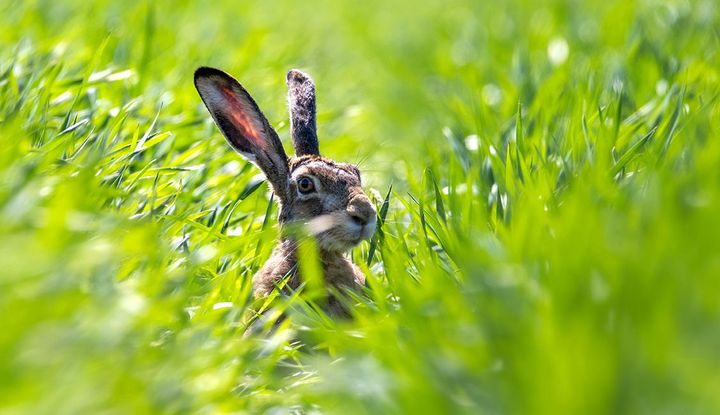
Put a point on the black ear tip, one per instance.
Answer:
(206, 72)
(295, 76)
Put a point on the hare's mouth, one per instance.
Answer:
(358, 233)
(368, 230)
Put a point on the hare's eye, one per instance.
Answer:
(305, 185)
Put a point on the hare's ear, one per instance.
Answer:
(243, 125)
(301, 104)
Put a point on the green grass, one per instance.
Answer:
(552, 238)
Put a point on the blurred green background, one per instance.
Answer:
(552, 242)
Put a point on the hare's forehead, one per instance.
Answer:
(326, 172)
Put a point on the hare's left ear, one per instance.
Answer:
(301, 105)
(244, 126)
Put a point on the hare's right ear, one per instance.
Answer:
(301, 105)
(243, 125)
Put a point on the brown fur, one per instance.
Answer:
(337, 212)
(339, 273)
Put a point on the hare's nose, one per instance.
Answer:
(359, 219)
(360, 209)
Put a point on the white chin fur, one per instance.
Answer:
(321, 224)
(338, 232)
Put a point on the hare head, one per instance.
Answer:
(323, 194)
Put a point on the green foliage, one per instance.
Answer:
(551, 242)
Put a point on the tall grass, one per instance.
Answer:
(548, 177)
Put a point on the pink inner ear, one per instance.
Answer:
(237, 112)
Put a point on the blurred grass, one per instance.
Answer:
(551, 243)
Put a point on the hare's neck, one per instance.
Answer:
(338, 271)
(289, 247)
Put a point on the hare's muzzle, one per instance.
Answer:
(362, 213)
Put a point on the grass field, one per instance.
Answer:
(551, 238)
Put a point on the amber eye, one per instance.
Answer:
(305, 185)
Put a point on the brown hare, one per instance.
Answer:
(323, 194)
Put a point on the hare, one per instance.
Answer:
(323, 194)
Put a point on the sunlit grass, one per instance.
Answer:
(547, 176)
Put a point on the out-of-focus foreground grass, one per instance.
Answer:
(552, 243)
